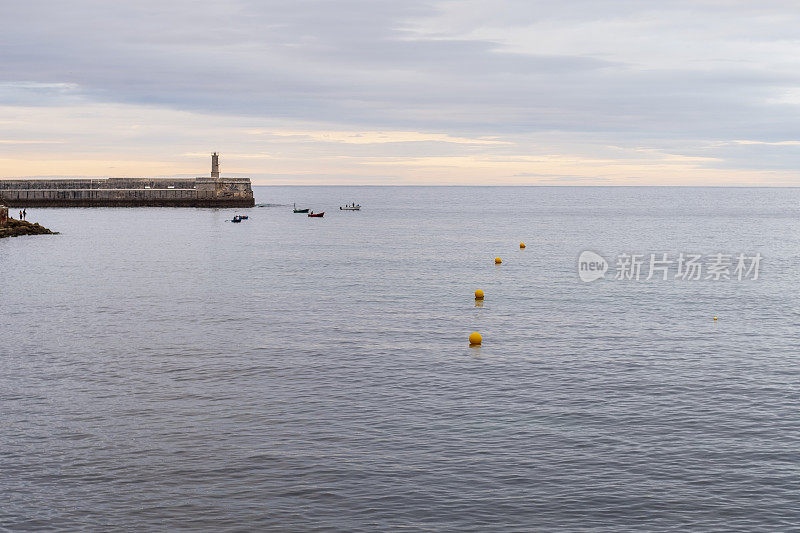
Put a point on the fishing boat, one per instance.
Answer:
(351, 207)
(313, 214)
(237, 218)
(299, 210)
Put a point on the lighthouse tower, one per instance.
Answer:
(215, 165)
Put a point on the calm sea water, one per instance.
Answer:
(166, 369)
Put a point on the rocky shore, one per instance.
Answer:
(15, 228)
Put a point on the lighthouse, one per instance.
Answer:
(215, 165)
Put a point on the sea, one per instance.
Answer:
(166, 369)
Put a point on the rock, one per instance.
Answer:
(15, 228)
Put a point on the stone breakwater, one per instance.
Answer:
(17, 228)
(128, 192)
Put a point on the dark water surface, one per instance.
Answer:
(165, 369)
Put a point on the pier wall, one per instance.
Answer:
(128, 192)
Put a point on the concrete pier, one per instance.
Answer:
(129, 192)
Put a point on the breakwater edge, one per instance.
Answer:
(214, 191)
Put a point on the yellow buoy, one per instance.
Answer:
(497, 260)
(522, 245)
(479, 294)
(715, 318)
(475, 338)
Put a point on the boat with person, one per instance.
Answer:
(299, 210)
(351, 207)
(313, 214)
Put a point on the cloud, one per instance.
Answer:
(407, 84)
(765, 143)
(561, 179)
(379, 137)
(353, 62)
(21, 141)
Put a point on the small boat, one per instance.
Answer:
(237, 218)
(313, 214)
(243, 217)
(351, 207)
(299, 210)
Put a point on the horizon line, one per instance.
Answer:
(560, 185)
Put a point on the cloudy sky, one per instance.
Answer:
(581, 92)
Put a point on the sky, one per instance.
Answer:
(404, 92)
